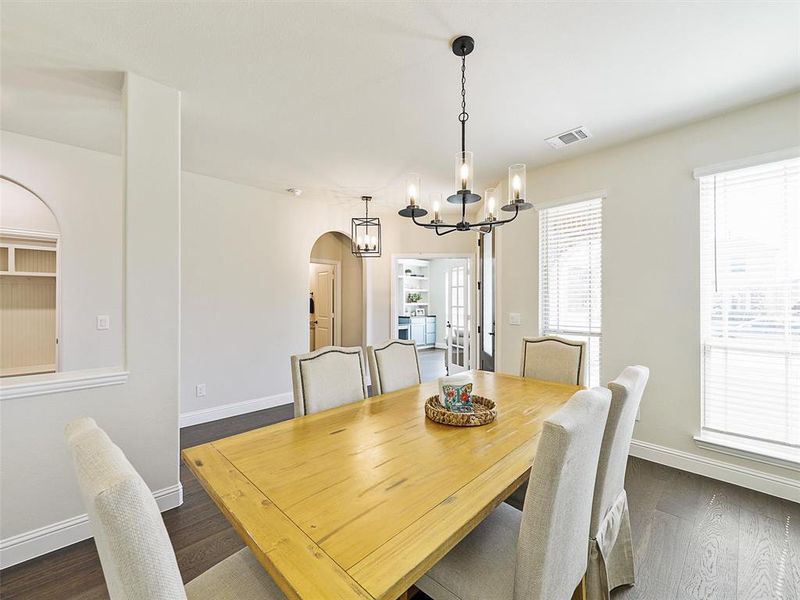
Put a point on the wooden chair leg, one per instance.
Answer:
(580, 591)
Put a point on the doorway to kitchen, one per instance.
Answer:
(432, 300)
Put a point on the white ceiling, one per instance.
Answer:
(343, 99)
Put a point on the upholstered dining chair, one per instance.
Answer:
(555, 359)
(393, 365)
(326, 378)
(610, 544)
(135, 551)
(538, 553)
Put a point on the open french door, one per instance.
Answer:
(486, 284)
(458, 318)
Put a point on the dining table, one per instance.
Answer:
(359, 501)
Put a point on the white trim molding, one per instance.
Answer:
(768, 483)
(583, 197)
(750, 161)
(47, 236)
(732, 447)
(37, 542)
(205, 415)
(67, 381)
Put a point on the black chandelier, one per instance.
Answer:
(365, 233)
(462, 46)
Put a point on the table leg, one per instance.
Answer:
(408, 594)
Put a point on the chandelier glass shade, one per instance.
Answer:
(365, 233)
(465, 177)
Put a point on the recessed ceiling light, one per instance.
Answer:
(295, 191)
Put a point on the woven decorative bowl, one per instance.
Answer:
(485, 412)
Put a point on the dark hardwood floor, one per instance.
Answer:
(694, 537)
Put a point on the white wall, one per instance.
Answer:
(36, 475)
(244, 271)
(84, 190)
(651, 260)
(245, 254)
(22, 210)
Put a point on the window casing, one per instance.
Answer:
(570, 276)
(750, 308)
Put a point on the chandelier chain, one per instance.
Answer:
(464, 114)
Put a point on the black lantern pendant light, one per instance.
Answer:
(462, 46)
(365, 233)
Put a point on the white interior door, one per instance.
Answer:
(458, 318)
(323, 317)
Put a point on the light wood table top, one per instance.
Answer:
(361, 500)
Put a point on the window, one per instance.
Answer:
(750, 307)
(570, 275)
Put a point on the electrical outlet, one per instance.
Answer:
(103, 322)
(200, 390)
(514, 319)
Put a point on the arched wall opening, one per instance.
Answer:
(29, 282)
(336, 293)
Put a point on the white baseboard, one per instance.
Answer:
(233, 409)
(768, 483)
(37, 542)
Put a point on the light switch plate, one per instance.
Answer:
(514, 319)
(103, 322)
(200, 390)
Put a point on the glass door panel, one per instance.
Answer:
(457, 318)
(486, 301)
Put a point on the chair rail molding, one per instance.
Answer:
(52, 383)
(30, 544)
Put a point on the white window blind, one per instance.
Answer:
(750, 307)
(570, 275)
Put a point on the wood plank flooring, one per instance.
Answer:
(432, 364)
(693, 537)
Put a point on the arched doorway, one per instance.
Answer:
(336, 297)
(29, 284)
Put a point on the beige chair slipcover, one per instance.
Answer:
(393, 365)
(610, 544)
(539, 553)
(550, 358)
(553, 358)
(135, 551)
(326, 378)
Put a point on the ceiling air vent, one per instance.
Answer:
(569, 137)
